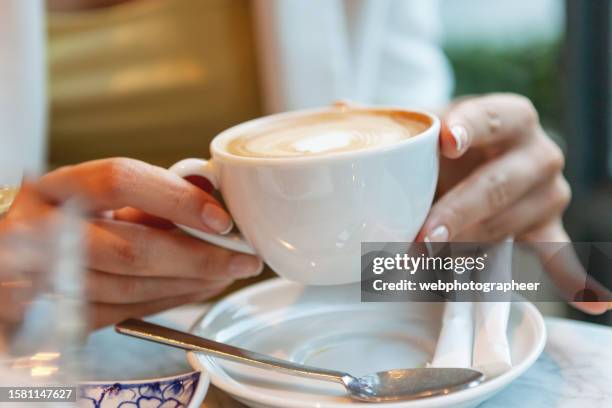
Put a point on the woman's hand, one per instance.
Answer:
(137, 263)
(501, 176)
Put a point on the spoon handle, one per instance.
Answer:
(175, 338)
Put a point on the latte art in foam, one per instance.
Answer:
(328, 133)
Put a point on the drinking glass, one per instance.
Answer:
(42, 276)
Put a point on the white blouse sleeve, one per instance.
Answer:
(370, 51)
(413, 70)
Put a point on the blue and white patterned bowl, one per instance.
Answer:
(169, 392)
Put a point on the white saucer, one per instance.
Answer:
(329, 327)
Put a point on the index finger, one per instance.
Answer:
(493, 120)
(110, 184)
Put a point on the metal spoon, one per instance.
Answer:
(384, 386)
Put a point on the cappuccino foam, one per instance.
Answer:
(327, 133)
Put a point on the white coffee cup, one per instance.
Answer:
(307, 216)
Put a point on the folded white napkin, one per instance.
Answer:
(491, 353)
(474, 334)
(454, 348)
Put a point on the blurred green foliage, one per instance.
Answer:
(533, 70)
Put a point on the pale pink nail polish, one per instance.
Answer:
(460, 135)
(438, 234)
(245, 266)
(216, 218)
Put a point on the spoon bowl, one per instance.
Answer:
(413, 383)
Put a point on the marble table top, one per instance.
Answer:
(575, 369)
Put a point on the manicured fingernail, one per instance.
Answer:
(244, 266)
(217, 286)
(438, 234)
(460, 135)
(216, 218)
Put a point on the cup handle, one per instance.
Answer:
(206, 169)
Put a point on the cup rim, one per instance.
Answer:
(220, 154)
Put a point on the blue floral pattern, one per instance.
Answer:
(175, 392)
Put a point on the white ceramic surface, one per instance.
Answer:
(307, 216)
(330, 327)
